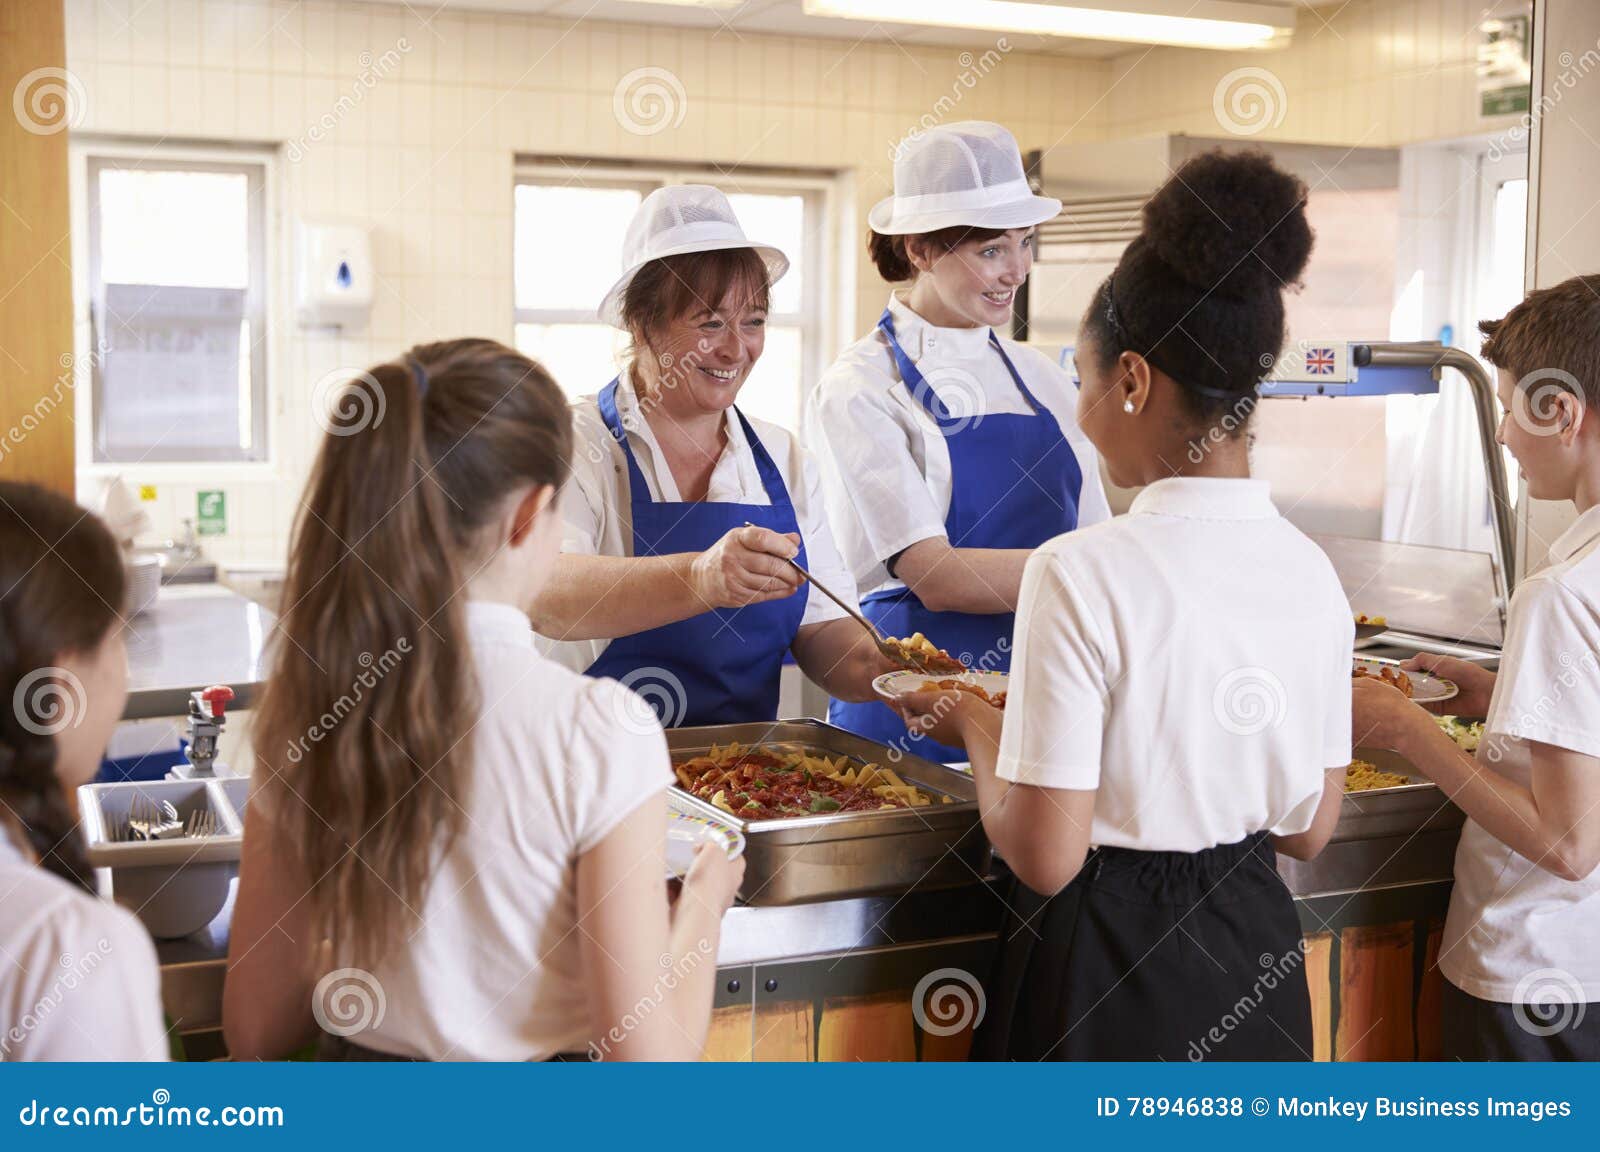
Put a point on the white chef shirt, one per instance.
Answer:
(1189, 660)
(885, 463)
(1511, 923)
(495, 970)
(78, 975)
(596, 504)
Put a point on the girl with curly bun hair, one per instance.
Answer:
(1184, 673)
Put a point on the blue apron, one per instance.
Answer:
(1014, 483)
(722, 666)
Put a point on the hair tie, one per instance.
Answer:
(419, 374)
(1111, 311)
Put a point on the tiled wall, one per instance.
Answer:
(425, 157)
(1373, 72)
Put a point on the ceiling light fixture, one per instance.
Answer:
(1220, 24)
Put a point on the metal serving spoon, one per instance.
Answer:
(901, 656)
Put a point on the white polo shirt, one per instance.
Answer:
(596, 504)
(1511, 923)
(78, 975)
(1190, 661)
(885, 463)
(495, 970)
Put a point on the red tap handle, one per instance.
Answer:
(217, 696)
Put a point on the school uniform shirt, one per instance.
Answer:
(885, 465)
(495, 969)
(78, 975)
(596, 505)
(1190, 661)
(1510, 921)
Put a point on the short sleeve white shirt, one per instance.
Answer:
(596, 504)
(1189, 661)
(1510, 920)
(495, 970)
(885, 463)
(78, 975)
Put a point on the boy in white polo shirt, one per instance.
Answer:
(1521, 950)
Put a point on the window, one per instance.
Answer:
(568, 252)
(177, 310)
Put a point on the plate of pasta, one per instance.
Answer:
(990, 687)
(783, 781)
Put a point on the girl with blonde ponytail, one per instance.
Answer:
(449, 831)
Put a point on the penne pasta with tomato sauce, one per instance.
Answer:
(767, 783)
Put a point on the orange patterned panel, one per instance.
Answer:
(1375, 994)
(1319, 973)
(867, 1028)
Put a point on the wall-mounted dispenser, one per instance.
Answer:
(333, 281)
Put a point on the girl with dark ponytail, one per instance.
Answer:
(437, 805)
(1184, 672)
(82, 982)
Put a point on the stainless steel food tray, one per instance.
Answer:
(1401, 811)
(841, 854)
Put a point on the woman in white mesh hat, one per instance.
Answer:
(682, 513)
(949, 452)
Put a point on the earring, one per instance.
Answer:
(1127, 406)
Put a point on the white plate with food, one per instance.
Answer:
(686, 831)
(1419, 687)
(989, 686)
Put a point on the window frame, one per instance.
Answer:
(256, 168)
(819, 190)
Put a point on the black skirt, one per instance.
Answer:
(1153, 956)
(341, 1049)
(1474, 1029)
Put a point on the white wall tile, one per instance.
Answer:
(147, 32)
(114, 35)
(148, 90)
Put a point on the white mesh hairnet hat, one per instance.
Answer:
(959, 174)
(677, 219)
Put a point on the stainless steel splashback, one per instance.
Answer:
(1434, 592)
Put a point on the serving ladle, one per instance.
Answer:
(901, 656)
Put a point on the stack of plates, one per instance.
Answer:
(144, 581)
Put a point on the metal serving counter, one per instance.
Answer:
(1390, 859)
(192, 636)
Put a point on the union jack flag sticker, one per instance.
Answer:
(1319, 361)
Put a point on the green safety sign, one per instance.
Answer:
(211, 513)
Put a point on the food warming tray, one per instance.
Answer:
(840, 854)
(1403, 810)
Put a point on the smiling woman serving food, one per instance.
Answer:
(682, 515)
(949, 452)
(1179, 700)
